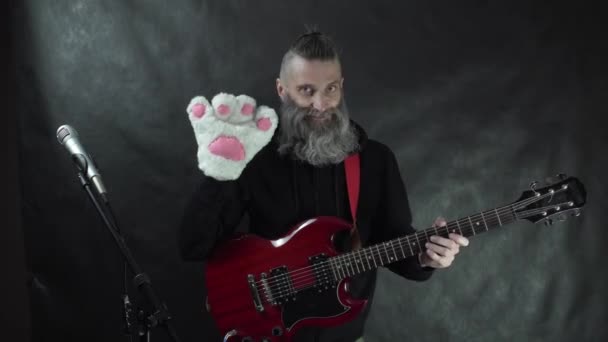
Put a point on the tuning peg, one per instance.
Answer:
(533, 186)
(548, 222)
(576, 212)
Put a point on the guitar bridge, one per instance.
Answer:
(257, 302)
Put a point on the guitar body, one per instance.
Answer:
(265, 290)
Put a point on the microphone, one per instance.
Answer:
(68, 137)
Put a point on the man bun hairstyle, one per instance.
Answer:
(312, 45)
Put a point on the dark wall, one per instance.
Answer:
(14, 313)
(476, 99)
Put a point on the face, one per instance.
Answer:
(314, 121)
(312, 84)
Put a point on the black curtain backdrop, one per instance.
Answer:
(14, 311)
(477, 99)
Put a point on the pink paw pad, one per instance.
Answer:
(223, 109)
(264, 124)
(247, 109)
(198, 110)
(227, 147)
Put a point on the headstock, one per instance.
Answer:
(558, 198)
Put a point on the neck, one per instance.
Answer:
(372, 257)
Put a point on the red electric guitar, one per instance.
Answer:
(261, 290)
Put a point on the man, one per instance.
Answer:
(300, 175)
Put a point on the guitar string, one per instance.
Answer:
(325, 271)
(283, 285)
(381, 247)
(303, 276)
(416, 235)
(326, 275)
(304, 272)
(476, 216)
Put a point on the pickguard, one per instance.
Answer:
(312, 304)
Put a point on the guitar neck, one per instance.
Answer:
(372, 257)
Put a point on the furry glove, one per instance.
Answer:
(229, 132)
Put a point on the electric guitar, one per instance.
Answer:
(265, 290)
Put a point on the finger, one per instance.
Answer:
(442, 251)
(447, 261)
(459, 239)
(439, 260)
(434, 256)
(440, 222)
(443, 241)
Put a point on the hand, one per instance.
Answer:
(440, 252)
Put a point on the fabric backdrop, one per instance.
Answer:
(477, 99)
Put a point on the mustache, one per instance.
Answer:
(300, 119)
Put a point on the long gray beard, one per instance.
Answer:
(318, 144)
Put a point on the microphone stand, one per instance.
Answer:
(142, 321)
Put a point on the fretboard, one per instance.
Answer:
(372, 257)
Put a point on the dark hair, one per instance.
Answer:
(314, 45)
(311, 45)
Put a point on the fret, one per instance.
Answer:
(447, 230)
(394, 253)
(385, 247)
(497, 215)
(409, 245)
(401, 246)
(342, 267)
(394, 250)
(458, 225)
(484, 221)
(345, 265)
(361, 254)
(472, 227)
(371, 250)
(379, 254)
(332, 266)
(339, 267)
(369, 267)
(356, 261)
(349, 263)
(416, 236)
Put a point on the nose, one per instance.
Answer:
(320, 103)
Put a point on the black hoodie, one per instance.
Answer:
(277, 192)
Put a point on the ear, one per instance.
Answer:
(280, 89)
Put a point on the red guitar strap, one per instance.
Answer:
(352, 167)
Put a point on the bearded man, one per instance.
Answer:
(300, 174)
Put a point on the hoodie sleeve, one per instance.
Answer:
(213, 213)
(395, 218)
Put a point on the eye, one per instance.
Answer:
(332, 88)
(306, 90)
